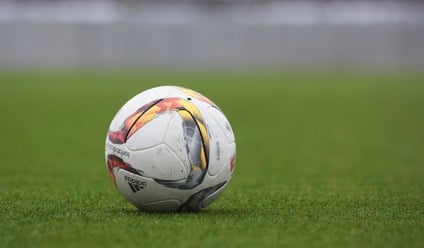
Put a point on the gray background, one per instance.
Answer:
(277, 34)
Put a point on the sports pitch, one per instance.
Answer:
(322, 160)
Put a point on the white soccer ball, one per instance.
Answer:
(170, 149)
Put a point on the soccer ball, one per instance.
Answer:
(170, 149)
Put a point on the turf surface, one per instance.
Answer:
(323, 160)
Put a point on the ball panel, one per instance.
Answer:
(222, 122)
(158, 162)
(152, 133)
(218, 152)
(213, 196)
(141, 190)
(142, 98)
(232, 156)
(170, 205)
(119, 150)
(194, 203)
(196, 95)
(175, 140)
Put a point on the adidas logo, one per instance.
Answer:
(134, 184)
(135, 187)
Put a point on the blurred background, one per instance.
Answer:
(320, 34)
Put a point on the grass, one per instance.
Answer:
(323, 160)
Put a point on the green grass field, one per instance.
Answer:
(322, 160)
